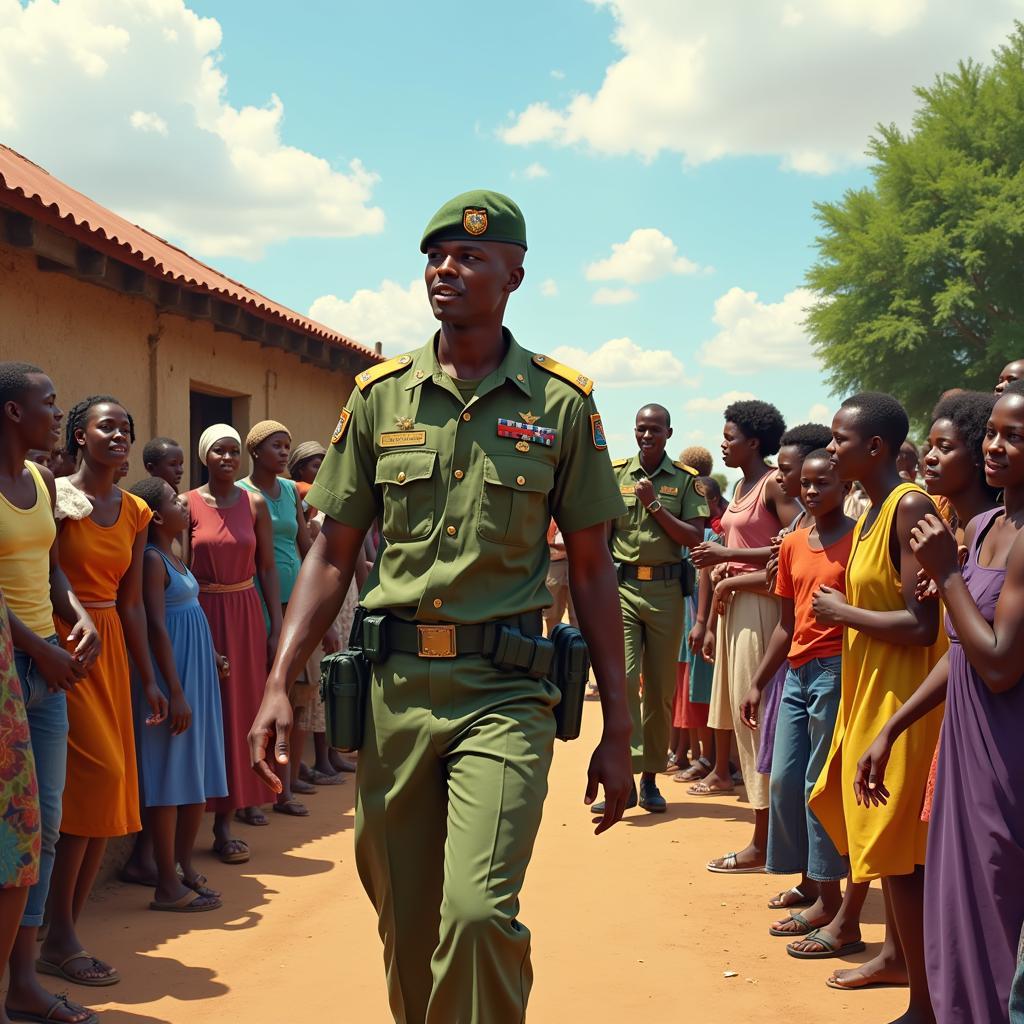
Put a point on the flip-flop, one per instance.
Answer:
(729, 866)
(59, 1002)
(198, 884)
(702, 789)
(292, 807)
(781, 933)
(186, 904)
(779, 902)
(831, 950)
(698, 770)
(60, 971)
(832, 983)
(240, 854)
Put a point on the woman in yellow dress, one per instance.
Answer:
(891, 644)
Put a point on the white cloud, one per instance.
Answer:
(558, 74)
(399, 318)
(765, 78)
(535, 171)
(819, 413)
(549, 288)
(613, 296)
(621, 363)
(759, 335)
(718, 403)
(148, 122)
(646, 255)
(85, 79)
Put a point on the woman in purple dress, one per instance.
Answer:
(974, 905)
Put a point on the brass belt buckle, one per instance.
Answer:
(645, 572)
(436, 641)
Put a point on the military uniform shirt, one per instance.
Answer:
(636, 535)
(464, 512)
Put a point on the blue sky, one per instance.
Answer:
(711, 132)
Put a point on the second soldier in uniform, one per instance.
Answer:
(664, 513)
(464, 450)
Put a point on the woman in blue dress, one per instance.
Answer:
(181, 761)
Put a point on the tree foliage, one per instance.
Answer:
(921, 276)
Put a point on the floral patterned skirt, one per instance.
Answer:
(19, 793)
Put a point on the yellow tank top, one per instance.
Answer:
(26, 536)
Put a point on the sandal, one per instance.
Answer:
(319, 778)
(198, 884)
(730, 866)
(294, 807)
(233, 851)
(830, 951)
(61, 970)
(253, 816)
(59, 1003)
(806, 928)
(304, 788)
(192, 902)
(703, 789)
(784, 902)
(698, 770)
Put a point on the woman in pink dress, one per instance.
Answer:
(230, 541)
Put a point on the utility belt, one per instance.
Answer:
(512, 645)
(682, 571)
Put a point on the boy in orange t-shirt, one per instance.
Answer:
(808, 559)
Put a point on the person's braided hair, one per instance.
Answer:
(151, 490)
(79, 416)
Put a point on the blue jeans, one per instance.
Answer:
(48, 725)
(807, 718)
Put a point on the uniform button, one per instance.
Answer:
(459, 474)
(466, 416)
(520, 480)
(437, 602)
(419, 375)
(452, 531)
(401, 478)
(520, 377)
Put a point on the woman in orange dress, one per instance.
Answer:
(102, 539)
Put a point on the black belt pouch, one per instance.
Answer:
(570, 671)
(345, 689)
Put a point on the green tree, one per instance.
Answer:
(921, 276)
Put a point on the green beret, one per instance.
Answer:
(479, 215)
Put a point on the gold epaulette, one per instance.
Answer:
(567, 373)
(381, 370)
(688, 469)
(619, 463)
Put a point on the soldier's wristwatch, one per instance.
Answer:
(655, 506)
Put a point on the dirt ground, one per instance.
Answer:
(627, 927)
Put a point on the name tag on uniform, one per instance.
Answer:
(669, 490)
(403, 438)
(627, 489)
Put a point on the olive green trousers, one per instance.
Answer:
(451, 784)
(652, 619)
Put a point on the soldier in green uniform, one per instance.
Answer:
(463, 450)
(664, 513)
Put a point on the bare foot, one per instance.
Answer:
(879, 971)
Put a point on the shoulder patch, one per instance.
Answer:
(619, 463)
(381, 370)
(686, 469)
(567, 373)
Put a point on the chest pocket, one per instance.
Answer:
(514, 500)
(410, 493)
(629, 518)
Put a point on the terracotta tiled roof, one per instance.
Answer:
(84, 217)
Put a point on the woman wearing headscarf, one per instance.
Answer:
(269, 445)
(229, 542)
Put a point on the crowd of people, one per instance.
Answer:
(834, 608)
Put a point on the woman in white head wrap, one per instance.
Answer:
(230, 545)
